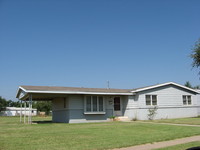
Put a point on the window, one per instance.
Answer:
(148, 99)
(151, 100)
(187, 100)
(65, 103)
(154, 100)
(88, 103)
(94, 104)
(100, 103)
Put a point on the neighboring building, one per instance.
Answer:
(15, 111)
(74, 105)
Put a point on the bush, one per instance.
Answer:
(152, 113)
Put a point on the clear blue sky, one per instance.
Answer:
(84, 43)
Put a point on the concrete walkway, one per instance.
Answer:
(162, 144)
(175, 124)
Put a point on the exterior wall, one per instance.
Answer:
(169, 104)
(60, 113)
(169, 113)
(132, 106)
(76, 110)
(198, 103)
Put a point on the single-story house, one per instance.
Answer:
(75, 105)
(15, 111)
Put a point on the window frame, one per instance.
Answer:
(65, 102)
(98, 107)
(151, 101)
(187, 100)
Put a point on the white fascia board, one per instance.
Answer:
(185, 87)
(164, 84)
(20, 90)
(77, 92)
(150, 87)
(198, 91)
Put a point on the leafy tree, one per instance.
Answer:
(45, 106)
(3, 104)
(196, 54)
(187, 84)
(8, 103)
(11, 103)
(41, 105)
(196, 87)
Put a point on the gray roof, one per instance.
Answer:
(23, 91)
(75, 89)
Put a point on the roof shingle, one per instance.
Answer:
(74, 89)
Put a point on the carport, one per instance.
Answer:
(28, 94)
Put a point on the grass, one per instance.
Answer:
(191, 121)
(182, 146)
(61, 136)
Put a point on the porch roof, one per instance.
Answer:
(48, 91)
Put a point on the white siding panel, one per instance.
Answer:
(169, 104)
(167, 113)
(132, 102)
(198, 103)
(166, 96)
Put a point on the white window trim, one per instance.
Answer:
(187, 100)
(94, 112)
(151, 100)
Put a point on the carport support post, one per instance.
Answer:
(30, 109)
(21, 111)
(24, 111)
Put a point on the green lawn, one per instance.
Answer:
(192, 121)
(182, 146)
(62, 136)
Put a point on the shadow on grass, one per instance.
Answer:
(42, 122)
(193, 148)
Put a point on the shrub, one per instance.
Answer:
(152, 113)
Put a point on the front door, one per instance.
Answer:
(117, 106)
